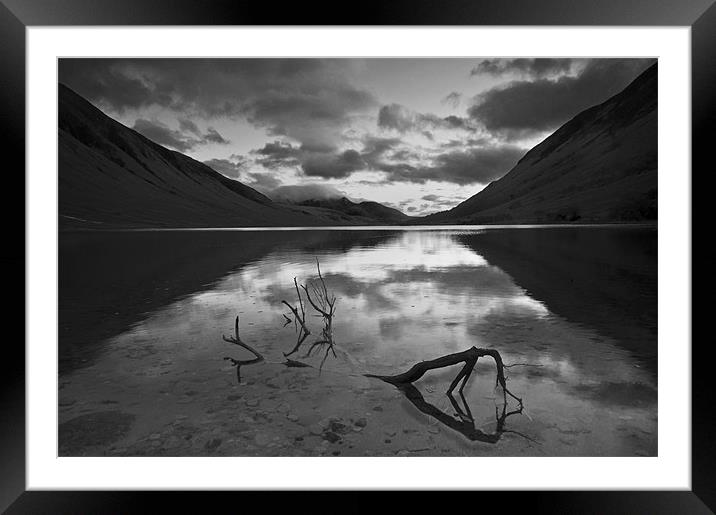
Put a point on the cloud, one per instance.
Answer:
(526, 107)
(213, 136)
(398, 117)
(163, 135)
(301, 192)
(237, 168)
(324, 161)
(278, 154)
(333, 165)
(439, 203)
(375, 148)
(188, 126)
(232, 169)
(402, 119)
(309, 100)
(160, 133)
(535, 68)
(266, 183)
(453, 99)
(314, 118)
(473, 165)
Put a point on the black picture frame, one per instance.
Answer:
(17, 15)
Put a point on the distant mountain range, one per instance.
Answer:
(367, 209)
(601, 166)
(111, 176)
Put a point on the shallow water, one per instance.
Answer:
(142, 369)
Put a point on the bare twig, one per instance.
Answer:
(299, 318)
(236, 340)
(325, 305)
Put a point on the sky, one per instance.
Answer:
(418, 134)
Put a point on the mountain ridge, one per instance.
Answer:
(600, 166)
(111, 176)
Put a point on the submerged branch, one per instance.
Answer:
(299, 319)
(469, 357)
(236, 340)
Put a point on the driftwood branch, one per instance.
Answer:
(469, 357)
(299, 319)
(236, 340)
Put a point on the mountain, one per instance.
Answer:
(369, 210)
(111, 176)
(601, 166)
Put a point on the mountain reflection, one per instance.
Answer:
(403, 297)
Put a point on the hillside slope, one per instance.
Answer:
(601, 166)
(367, 209)
(111, 176)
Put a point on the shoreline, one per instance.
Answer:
(432, 227)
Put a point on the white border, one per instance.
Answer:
(671, 469)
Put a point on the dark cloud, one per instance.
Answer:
(309, 100)
(431, 198)
(317, 161)
(160, 133)
(523, 108)
(278, 154)
(402, 119)
(308, 116)
(536, 68)
(333, 165)
(375, 148)
(325, 161)
(473, 165)
(278, 149)
(470, 164)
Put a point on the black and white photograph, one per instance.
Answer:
(370, 257)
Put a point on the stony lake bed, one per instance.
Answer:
(142, 368)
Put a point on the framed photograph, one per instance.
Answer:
(446, 247)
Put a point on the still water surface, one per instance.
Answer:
(141, 352)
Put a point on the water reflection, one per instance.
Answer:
(604, 278)
(402, 297)
(463, 421)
